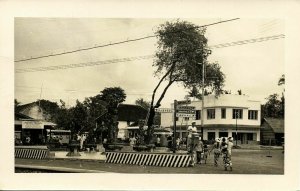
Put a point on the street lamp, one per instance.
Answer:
(236, 117)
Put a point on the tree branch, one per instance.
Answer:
(154, 91)
(163, 93)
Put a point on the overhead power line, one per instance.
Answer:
(254, 40)
(103, 62)
(114, 43)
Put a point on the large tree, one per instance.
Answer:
(113, 97)
(182, 49)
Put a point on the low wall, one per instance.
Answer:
(149, 159)
(31, 152)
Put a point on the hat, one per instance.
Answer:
(217, 139)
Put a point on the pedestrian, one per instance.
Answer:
(169, 139)
(199, 150)
(224, 151)
(229, 151)
(216, 150)
(205, 152)
(158, 141)
(132, 141)
(178, 143)
(28, 140)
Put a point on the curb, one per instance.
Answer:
(77, 159)
(58, 169)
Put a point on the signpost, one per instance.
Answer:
(185, 115)
(184, 102)
(186, 107)
(164, 110)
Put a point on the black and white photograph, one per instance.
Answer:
(149, 96)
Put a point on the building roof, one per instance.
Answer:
(128, 112)
(276, 124)
(20, 116)
(21, 108)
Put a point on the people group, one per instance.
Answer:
(221, 149)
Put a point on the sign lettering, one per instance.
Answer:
(164, 110)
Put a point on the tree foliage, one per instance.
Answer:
(113, 97)
(144, 104)
(275, 105)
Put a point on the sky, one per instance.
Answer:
(255, 68)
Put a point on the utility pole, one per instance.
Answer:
(174, 128)
(202, 100)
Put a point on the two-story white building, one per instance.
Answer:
(225, 116)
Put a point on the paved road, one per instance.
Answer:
(244, 162)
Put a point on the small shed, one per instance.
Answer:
(272, 131)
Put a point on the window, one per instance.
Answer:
(223, 113)
(252, 114)
(198, 114)
(176, 118)
(186, 118)
(210, 113)
(237, 114)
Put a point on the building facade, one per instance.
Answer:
(225, 116)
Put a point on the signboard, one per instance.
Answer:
(185, 115)
(186, 107)
(32, 125)
(183, 102)
(187, 111)
(164, 110)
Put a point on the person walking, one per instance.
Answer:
(205, 152)
(199, 150)
(224, 151)
(216, 150)
(229, 151)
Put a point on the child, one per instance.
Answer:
(205, 152)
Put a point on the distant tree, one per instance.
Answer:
(182, 49)
(51, 109)
(194, 92)
(273, 107)
(78, 115)
(144, 104)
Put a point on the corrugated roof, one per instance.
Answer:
(276, 124)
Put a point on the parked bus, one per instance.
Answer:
(62, 136)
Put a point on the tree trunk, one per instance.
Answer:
(150, 129)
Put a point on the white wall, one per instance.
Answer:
(227, 101)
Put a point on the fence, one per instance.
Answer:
(149, 159)
(31, 152)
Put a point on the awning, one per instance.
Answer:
(32, 125)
